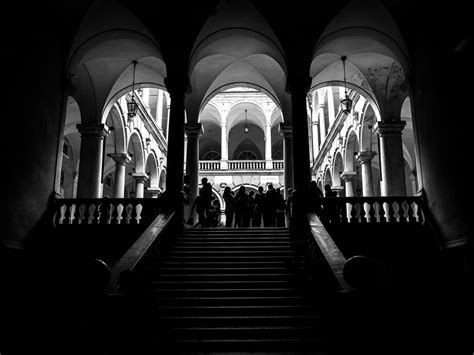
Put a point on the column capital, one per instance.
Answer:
(93, 129)
(140, 177)
(193, 129)
(120, 158)
(348, 176)
(365, 156)
(389, 127)
(286, 130)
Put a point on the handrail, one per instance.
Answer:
(331, 252)
(135, 254)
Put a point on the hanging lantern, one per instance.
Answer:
(346, 103)
(246, 128)
(132, 106)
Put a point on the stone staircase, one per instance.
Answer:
(230, 290)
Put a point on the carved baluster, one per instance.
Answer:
(91, 211)
(386, 209)
(358, 212)
(349, 209)
(353, 218)
(405, 208)
(128, 212)
(62, 211)
(82, 213)
(416, 211)
(110, 212)
(368, 210)
(396, 208)
(377, 214)
(119, 213)
(72, 213)
(138, 210)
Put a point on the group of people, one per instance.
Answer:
(261, 209)
(254, 209)
(207, 207)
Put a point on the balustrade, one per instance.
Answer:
(211, 165)
(105, 211)
(403, 209)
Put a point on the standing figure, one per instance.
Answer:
(229, 206)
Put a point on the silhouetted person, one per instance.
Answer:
(280, 209)
(229, 206)
(251, 208)
(202, 209)
(269, 207)
(315, 194)
(242, 208)
(258, 210)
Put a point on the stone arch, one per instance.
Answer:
(101, 58)
(352, 148)
(162, 181)
(377, 64)
(338, 168)
(255, 115)
(135, 146)
(236, 45)
(151, 168)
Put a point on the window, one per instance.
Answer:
(212, 155)
(247, 155)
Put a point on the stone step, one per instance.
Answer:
(230, 300)
(228, 310)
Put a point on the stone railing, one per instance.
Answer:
(209, 165)
(213, 165)
(278, 165)
(402, 209)
(106, 211)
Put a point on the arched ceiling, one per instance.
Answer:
(377, 63)
(100, 65)
(236, 45)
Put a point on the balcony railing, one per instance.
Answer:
(106, 211)
(399, 209)
(213, 165)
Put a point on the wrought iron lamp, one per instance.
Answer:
(132, 106)
(246, 128)
(346, 103)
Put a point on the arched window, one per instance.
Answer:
(247, 155)
(278, 155)
(211, 155)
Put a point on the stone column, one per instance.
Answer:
(322, 123)
(302, 175)
(140, 179)
(224, 145)
(286, 132)
(348, 178)
(175, 158)
(154, 191)
(331, 108)
(90, 166)
(121, 160)
(392, 166)
(339, 190)
(159, 110)
(268, 145)
(365, 157)
(315, 130)
(193, 130)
